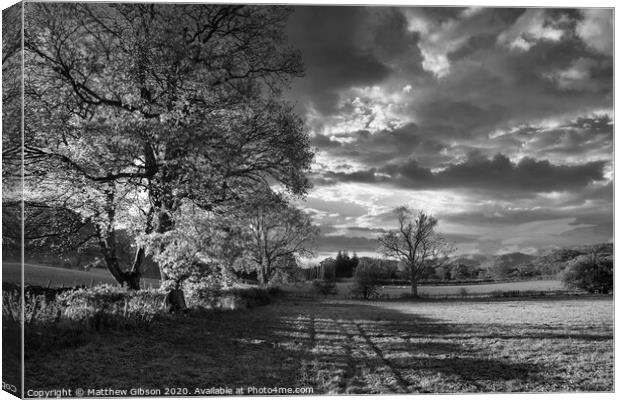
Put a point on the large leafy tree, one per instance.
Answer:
(133, 110)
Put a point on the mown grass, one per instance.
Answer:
(41, 275)
(343, 289)
(353, 347)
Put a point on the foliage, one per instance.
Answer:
(387, 270)
(366, 279)
(324, 287)
(108, 306)
(195, 250)
(87, 309)
(553, 262)
(463, 272)
(591, 273)
(212, 297)
(345, 265)
(510, 265)
(285, 271)
(262, 238)
(328, 269)
(270, 234)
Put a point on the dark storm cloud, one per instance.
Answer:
(440, 14)
(391, 37)
(473, 44)
(492, 85)
(585, 138)
(494, 174)
(495, 21)
(538, 66)
(345, 46)
(458, 119)
(379, 148)
(526, 175)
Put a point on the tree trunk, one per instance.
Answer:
(163, 277)
(414, 289)
(414, 283)
(163, 224)
(262, 275)
(112, 264)
(175, 300)
(107, 244)
(133, 278)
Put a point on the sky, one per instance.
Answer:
(498, 121)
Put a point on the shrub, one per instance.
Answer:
(324, 287)
(107, 306)
(202, 291)
(591, 273)
(212, 296)
(366, 280)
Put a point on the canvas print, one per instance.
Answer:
(242, 199)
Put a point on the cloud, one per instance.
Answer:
(335, 243)
(440, 38)
(527, 174)
(595, 212)
(503, 116)
(479, 173)
(596, 30)
(345, 47)
(384, 146)
(529, 29)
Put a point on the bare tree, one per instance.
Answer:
(415, 243)
(274, 233)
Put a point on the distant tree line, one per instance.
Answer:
(511, 266)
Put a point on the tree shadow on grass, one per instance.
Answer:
(409, 351)
(348, 347)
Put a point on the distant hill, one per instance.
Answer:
(471, 260)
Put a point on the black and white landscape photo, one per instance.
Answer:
(242, 199)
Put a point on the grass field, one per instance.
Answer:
(40, 275)
(344, 288)
(344, 346)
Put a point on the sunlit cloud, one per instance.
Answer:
(498, 121)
